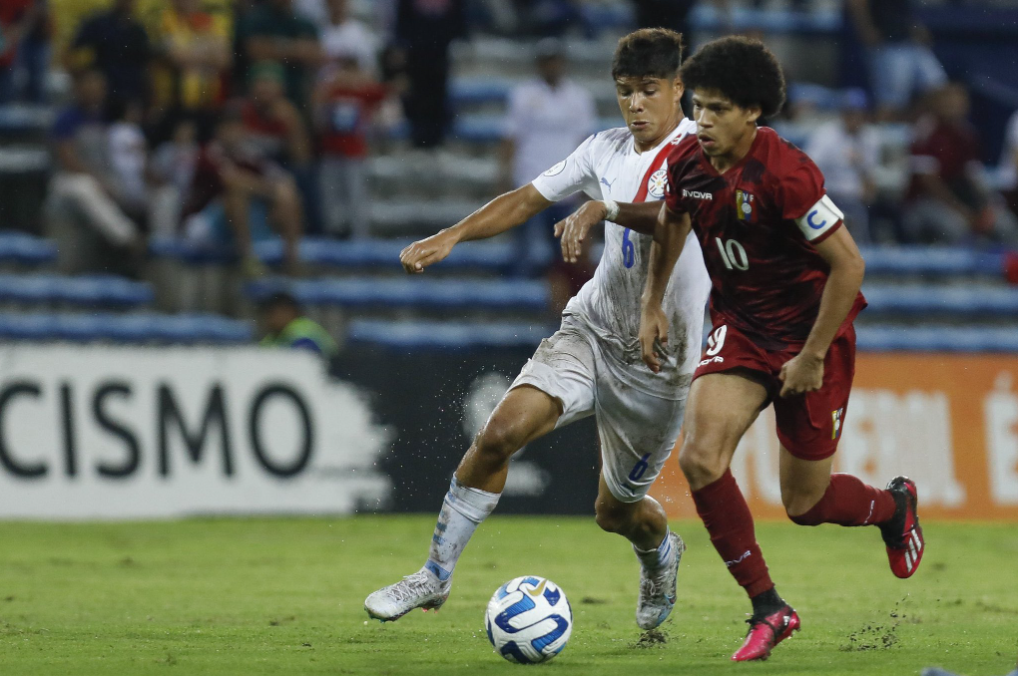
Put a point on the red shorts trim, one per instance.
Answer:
(809, 425)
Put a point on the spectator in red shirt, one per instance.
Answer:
(273, 123)
(948, 199)
(239, 195)
(344, 104)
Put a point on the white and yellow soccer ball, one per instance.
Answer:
(529, 620)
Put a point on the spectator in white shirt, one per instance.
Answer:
(343, 35)
(847, 151)
(1008, 176)
(549, 115)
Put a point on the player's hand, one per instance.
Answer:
(653, 336)
(573, 230)
(425, 252)
(801, 374)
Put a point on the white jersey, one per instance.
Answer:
(607, 165)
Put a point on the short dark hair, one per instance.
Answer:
(743, 70)
(648, 52)
(279, 299)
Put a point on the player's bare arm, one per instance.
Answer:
(640, 217)
(669, 240)
(805, 372)
(503, 213)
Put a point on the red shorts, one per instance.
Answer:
(809, 425)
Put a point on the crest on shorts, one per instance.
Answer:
(657, 184)
(836, 419)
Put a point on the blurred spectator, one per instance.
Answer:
(273, 122)
(345, 102)
(24, 50)
(949, 201)
(116, 43)
(664, 14)
(847, 151)
(549, 115)
(238, 195)
(426, 28)
(172, 168)
(343, 35)
(901, 61)
(285, 326)
(194, 54)
(1009, 163)
(84, 189)
(129, 156)
(273, 31)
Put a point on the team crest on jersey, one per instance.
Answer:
(557, 169)
(837, 417)
(744, 205)
(657, 184)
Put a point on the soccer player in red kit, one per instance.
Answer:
(785, 281)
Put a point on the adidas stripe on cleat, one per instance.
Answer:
(903, 535)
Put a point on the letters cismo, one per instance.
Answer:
(212, 430)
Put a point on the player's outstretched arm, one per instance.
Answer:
(640, 217)
(500, 214)
(805, 372)
(669, 240)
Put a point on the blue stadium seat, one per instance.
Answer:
(27, 250)
(957, 302)
(126, 329)
(187, 252)
(932, 260)
(435, 294)
(937, 339)
(423, 335)
(84, 291)
(476, 90)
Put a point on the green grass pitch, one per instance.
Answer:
(285, 597)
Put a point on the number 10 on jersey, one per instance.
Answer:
(733, 254)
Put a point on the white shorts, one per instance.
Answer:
(637, 430)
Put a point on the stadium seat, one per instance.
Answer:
(932, 261)
(125, 329)
(23, 249)
(83, 291)
(974, 339)
(423, 335)
(433, 294)
(955, 302)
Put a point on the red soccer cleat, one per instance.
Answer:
(902, 534)
(767, 632)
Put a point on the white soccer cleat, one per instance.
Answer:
(420, 590)
(657, 590)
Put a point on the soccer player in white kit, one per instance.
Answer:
(593, 364)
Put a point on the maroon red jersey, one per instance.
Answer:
(758, 225)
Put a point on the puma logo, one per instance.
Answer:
(606, 184)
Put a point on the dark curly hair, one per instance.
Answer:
(743, 70)
(648, 52)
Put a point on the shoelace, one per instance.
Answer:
(411, 586)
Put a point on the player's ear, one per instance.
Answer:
(753, 114)
(680, 89)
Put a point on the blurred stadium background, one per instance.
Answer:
(132, 381)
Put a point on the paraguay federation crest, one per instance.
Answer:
(657, 184)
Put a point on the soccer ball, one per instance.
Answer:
(529, 620)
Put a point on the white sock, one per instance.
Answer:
(659, 557)
(463, 510)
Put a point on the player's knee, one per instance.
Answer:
(799, 506)
(609, 517)
(700, 463)
(497, 442)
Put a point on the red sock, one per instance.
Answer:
(726, 515)
(849, 502)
